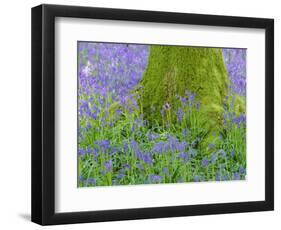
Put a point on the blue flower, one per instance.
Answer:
(152, 137)
(183, 100)
(81, 152)
(155, 178)
(127, 167)
(103, 144)
(180, 114)
(191, 98)
(159, 147)
(185, 132)
(214, 157)
(205, 162)
(236, 176)
(120, 176)
(108, 165)
(222, 152)
(242, 170)
(81, 178)
(183, 156)
(147, 159)
(211, 145)
(114, 150)
(91, 181)
(196, 178)
(125, 147)
(165, 170)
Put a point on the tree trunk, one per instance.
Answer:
(173, 70)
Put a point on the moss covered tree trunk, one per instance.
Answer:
(172, 70)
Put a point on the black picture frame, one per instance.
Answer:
(43, 114)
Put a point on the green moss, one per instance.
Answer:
(239, 105)
(172, 70)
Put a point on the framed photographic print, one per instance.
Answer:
(142, 114)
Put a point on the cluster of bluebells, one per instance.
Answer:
(107, 74)
(235, 61)
(117, 146)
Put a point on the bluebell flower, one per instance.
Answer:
(236, 176)
(242, 170)
(185, 132)
(214, 157)
(205, 162)
(183, 100)
(147, 159)
(152, 137)
(125, 147)
(108, 165)
(81, 178)
(222, 152)
(127, 166)
(191, 98)
(155, 178)
(159, 147)
(224, 178)
(103, 144)
(211, 145)
(81, 152)
(239, 120)
(165, 170)
(120, 176)
(183, 156)
(180, 114)
(196, 178)
(91, 181)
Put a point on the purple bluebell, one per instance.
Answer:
(152, 137)
(183, 156)
(210, 146)
(125, 147)
(155, 178)
(81, 152)
(91, 181)
(120, 176)
(108, 165)
(214, 157)
(196, 178)
(222, 153)
(236, 176)
(242, 170)
(235, 61)
(127, 166)
(205, 162)
(191, 98)
(165, 170)
(180, 114)
(147, 159)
